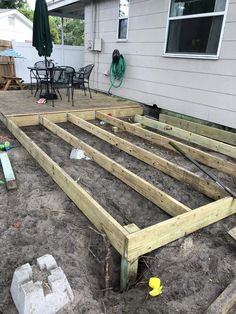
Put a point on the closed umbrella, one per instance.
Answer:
(42, 40)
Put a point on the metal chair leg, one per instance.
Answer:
(89, 91)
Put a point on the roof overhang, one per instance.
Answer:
(67, 8)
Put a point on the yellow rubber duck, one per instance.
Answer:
(155, 284)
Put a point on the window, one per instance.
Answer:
(123, 20)
(11, 20)
(195, 27)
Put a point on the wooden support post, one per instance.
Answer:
(8, 172)
(129, 269)
(204, 186)
(115, 129)
(190, 137)
(197, 154)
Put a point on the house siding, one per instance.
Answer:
(20, 31)
(205, 89)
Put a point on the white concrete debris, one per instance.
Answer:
(40, 297)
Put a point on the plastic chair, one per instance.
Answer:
(82, 78)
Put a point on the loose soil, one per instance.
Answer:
(38, 218)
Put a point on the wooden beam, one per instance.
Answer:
(232, 232)
(91, 209)
(129, 269)
(201, 129)
(225, 301)
(204, 158)
(152, 193)
(8, 172)
(190, 137)
(151, 238)
(61, 116)
(206, 187)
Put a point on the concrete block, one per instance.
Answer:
(46, 262)
(40, 289)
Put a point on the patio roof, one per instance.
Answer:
(67, 8)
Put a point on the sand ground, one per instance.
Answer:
(38, 218)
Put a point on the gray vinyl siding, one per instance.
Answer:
(204, 89)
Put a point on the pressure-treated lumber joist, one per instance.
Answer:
(61, 116)
(232, 232)
(204, 186)
(91, 209)
(159, 198)
(151, 238)
(201, 129)
(190, 137)
(8, 172)
(204, 158)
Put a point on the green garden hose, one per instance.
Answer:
(117, 72)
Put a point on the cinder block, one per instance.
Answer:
(31, 297)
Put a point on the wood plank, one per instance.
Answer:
(190, 137)
(152, 193)
(129, 269)
(202, 157)
(61, 116)
(206, 187)
(151, 238)
(8, 172)
(225, 301)
(201, 129)
(232, 232)
(91, 209)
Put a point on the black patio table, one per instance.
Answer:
(48, 81)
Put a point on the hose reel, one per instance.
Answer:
(117, 70)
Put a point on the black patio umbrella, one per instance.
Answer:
(42, 40)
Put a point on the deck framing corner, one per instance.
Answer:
(130, 241)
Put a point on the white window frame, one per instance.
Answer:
(190, 55)
(118, 24)
(11, 20)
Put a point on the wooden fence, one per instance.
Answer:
(7, 68)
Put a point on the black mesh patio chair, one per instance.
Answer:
(62, 77)
(82, 78)
(39, 73)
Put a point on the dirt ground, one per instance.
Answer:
(38, 218)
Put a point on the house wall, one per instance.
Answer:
(205, 89)
(61, 55)
(19, 31)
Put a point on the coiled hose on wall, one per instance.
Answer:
(117, 70)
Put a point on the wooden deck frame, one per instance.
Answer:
(197, 154)
(199, 128)
(181, 174)
(129, 241)
(190, 137)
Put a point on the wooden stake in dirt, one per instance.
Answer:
(232, 232)
(8, 172)
(225, 301)
(107, 263)
(107, 260)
